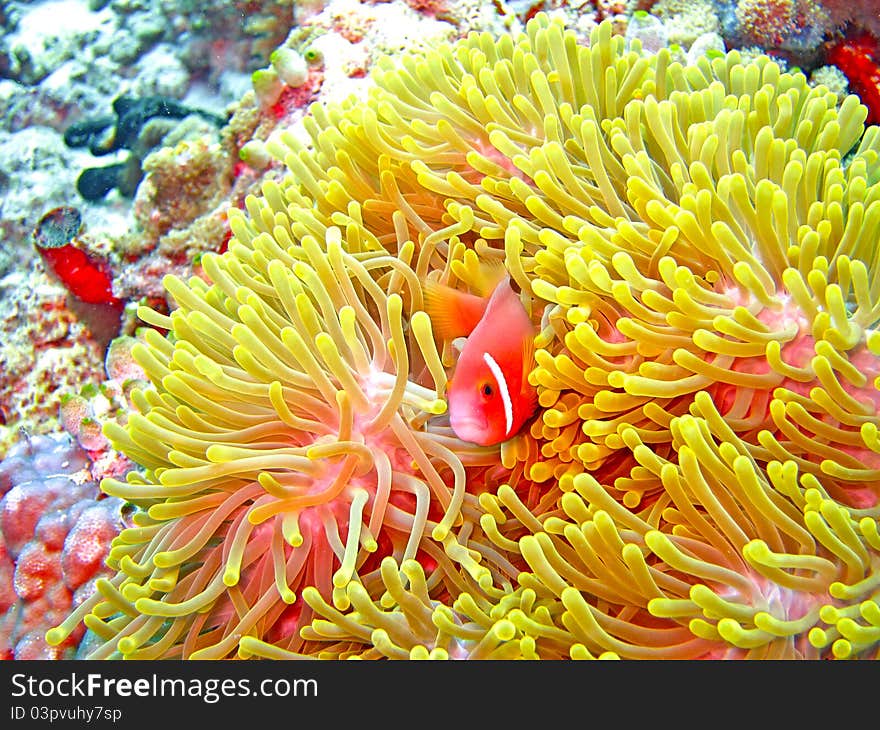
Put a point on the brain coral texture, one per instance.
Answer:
(698, 247)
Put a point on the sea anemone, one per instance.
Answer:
(283, 445)
(698, 244)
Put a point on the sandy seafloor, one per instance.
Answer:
(65, 367)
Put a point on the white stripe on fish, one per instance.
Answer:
(502, 388)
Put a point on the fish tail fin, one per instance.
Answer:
(453, 313)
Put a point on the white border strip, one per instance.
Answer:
(502, 387)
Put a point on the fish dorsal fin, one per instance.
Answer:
(453, 313)
(481, 277)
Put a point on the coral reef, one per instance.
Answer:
(496, 18)
(122, 131)
(289, 83)
(48, 350)
(200, 55)
(55, 536)
(33, 44)
(860, 14)
(36, 155)
(175, 230)
(698, 246)
(649, 30)
(85, 276)
(181, 183)
(132, 127)
(794, 26)
(858, 58)
(238, 35)
(686, 20)
(704, 45)
(832, 78)
(84, 414)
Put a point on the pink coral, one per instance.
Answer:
(862, 13)
(56, 533)
(88, 541)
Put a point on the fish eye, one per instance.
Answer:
(487, 390)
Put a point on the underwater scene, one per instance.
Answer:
(440, 329)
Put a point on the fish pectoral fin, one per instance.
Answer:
(529, 400)
(528, 359)
(528, 392)
(453, 313)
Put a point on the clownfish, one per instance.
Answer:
(489, 395)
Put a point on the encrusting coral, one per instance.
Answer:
(698, 246)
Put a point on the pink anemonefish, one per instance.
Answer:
(489, 395)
